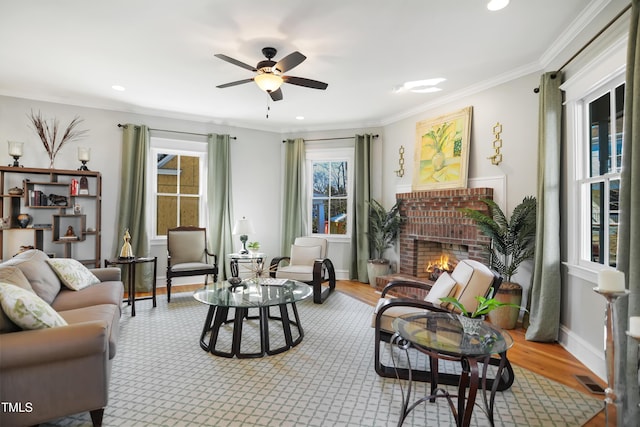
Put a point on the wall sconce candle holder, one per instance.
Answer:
(15, 151)
(400, 171)
(496, 159)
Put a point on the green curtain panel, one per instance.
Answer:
(132, 213)
(360, 208)
(544, 312)
(219, 200)
(626, 363)
(294, 212)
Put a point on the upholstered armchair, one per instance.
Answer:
(469, 279)
(308, 264)
(188, 255)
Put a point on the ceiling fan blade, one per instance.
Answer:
(239, 82)
(290, 61)
(235, 62)
(276, 95)
(300, 81)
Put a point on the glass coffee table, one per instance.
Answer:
(442, 336)
(260, 294)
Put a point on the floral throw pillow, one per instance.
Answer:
(28, 310)
(72, 273)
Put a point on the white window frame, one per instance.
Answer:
(329, 154)
(168, 146)
(604, 70)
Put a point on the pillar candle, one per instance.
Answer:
(634, 326)
(611, 280)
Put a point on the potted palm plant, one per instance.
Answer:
(512, 243)
(384, 226)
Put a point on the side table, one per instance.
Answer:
(131, 263)
(236, 258)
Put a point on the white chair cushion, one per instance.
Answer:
(186, 266)
(440, 289)
(389, 315)
(304, 255)
(302, 273)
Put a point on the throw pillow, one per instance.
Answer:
(441, 288)
(72, 273)
(43, 280)
(304, 255)
(28, 310)
(14, 276)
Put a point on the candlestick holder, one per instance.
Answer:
(610, 329)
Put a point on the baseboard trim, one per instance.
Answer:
(587, 354)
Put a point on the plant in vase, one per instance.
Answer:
(512, 243)
(471, 320)
(384, 227)
(253, 247)
(48, 133)
(440, 138)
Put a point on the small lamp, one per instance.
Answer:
(243, 227)
(15, 151)
(84, 155)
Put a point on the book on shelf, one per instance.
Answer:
(41, 225)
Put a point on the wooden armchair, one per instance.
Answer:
(308, 264)
(188, 255)
(468, 280)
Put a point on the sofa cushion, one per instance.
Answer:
(440, 289)
(108, 312)
(26, 309)
(101, 293)
(72, 273)
(15, 276)
(43, 280)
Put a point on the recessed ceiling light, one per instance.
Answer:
(299, 117)
(118, 88)
(494, 5)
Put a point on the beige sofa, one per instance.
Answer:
(58, 371)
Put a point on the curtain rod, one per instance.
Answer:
(587, 44)
(177, 131)
(330, 139)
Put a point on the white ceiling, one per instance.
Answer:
(161, 51)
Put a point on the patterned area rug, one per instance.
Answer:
(161, 377)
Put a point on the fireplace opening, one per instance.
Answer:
(437, 257)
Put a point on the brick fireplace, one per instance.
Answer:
(434, 227)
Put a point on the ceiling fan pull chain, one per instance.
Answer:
(268, 107)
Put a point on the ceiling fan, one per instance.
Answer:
(270, 76)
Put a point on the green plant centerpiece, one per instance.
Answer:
(512, 243)
(253, 246)
(384, 226)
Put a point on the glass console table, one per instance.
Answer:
(442, 336)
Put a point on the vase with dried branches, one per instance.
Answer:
(48, 133)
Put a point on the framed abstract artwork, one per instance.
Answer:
(442, 151)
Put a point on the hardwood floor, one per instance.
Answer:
(547, 359)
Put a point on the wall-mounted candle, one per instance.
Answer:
(611, 280)
(15, 148)
(84, 154)
(634, 326)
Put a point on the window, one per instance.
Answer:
(600, 182)
(330, 192)
(177, 185)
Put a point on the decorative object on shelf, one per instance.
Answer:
(126, 252)
(74, 187)
(84, 155)
(48, 133)
(77, 209)
(243, 227)
(84, 186)
(70, 232)
(442, 151)
(496, 159)
(16, 191)
(24, 219)
(400, 171)
(5, 222)
(58, 200)
(253, 247)
(15, 151)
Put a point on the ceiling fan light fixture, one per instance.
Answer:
(268, 82)
(494, 5)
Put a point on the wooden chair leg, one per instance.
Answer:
(168, 289)
(96, 417)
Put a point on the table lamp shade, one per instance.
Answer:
(243, 226)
